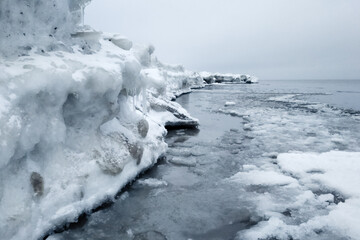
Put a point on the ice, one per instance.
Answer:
(210, 78)
(229, 104)
(329, 175)
(152, 182)
(183, 162)
(77, 117)
(82, 113)
(120, 41)
(45, 25)
(259, 177)
(334, 170)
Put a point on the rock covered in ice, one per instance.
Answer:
(170, 114)
(143, 127)
(210, 78)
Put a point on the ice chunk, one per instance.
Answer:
(152, 182)
(334, 170)
(323, 177)
(260, 177)
(182, 161)
(229, 104)
(120, 41)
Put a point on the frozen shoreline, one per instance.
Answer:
(82, 113)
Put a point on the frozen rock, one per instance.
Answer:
(210, 78)
(136, 151)
(171, 114)
(37, 183)
(143, 127)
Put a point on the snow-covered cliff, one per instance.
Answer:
(82, 113)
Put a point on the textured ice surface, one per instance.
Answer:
(76, 120)
(44, 25)
(329, 180)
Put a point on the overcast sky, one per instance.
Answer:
(272, 39)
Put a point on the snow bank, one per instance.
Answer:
(323, 196)
(82, 113)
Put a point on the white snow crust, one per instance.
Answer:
(313, 180)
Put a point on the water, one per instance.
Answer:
(338, 93)
(189, 195)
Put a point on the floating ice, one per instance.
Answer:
(230, 104)
(152, 182)
(325, 182)
(260, 177)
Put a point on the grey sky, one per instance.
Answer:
(272, 39)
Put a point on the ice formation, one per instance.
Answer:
(81, 114)
(227, 78)
(326, 183)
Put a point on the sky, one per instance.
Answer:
(271, 39)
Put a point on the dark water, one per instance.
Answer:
(338, 93)
(188, 196)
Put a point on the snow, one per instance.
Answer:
(335, 170)
(79, 114)
(327, 174)
(260, 177)
(230, 104)
(82, 113)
